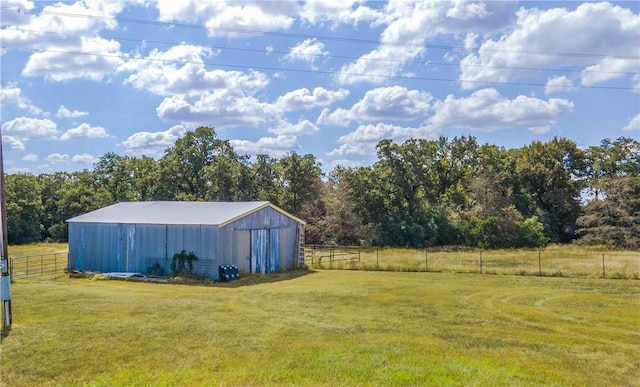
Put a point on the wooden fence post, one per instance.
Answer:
(480, 261)
(604, 273)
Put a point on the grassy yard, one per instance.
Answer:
(326, 328)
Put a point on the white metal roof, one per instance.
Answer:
(201, 213)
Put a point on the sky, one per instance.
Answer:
(331, 78)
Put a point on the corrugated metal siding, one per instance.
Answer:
(235, 239)
(109, 247)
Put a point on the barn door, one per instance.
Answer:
(265, 251)
(274, 251)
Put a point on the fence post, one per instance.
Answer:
(377, 260)
(480, 261)
(426, 260)
(41, 264)
(330, 257)
(27, 271)
(539, 262)
(604, 273)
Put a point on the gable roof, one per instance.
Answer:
(168, 212)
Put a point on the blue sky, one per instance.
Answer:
(331, 78)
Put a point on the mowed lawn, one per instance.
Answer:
(326, 328)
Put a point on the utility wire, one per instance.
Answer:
(430, 63)
(306, 36)
(266, 68)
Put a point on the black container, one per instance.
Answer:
(228, 273)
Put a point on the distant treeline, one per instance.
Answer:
(418, 193)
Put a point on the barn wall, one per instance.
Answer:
(106, 247)
(235, 240)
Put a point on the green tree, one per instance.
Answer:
(113, 172)
(610, 159)
(266, 181)
(24, 208)
(144, 177)
(613, 219)
(229, 177)
(183, 174)
(301, 178)
(549, 173)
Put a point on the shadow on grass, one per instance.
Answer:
(256, 279)
(245, 280)
(4, 333)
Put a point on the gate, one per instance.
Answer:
(36, 265)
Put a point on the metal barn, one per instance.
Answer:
(257, 237)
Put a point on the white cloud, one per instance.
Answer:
(230, 18)
(150, 143)
(16, 12)
(224, 107)
(487, 110)
(84, 158)
(559, 84)
(12, 142)
(608, 69)
(57, 158)
(307, 51)
(287, 128)
(337, 12)
(633, 124)
(408, 26)
(303, 99)
(353, 149)
(55, 36)
(30, 157)
(84, 131)
(570, 36)
(274, 146)
(393, 103)
(63, 112)
(26, 128)
(345, 163)
(364, 139)
(180, 70)
(12, 95)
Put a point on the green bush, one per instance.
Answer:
(182, 264)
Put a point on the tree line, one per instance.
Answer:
(418, 193)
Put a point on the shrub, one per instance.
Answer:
(182, 264)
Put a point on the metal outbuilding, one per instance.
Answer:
(257, 237)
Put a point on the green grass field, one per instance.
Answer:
(554, 260)
(327, 327)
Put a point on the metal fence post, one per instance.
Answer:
(377, 260)
(539, 262)
(426, 260)
(604, 273)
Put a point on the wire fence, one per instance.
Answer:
(37, 265)
(560, 261)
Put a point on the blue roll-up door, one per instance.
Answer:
(274, 251)
(265, 251)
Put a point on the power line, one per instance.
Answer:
(266, 68)
(432, 63)
(322, 37)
